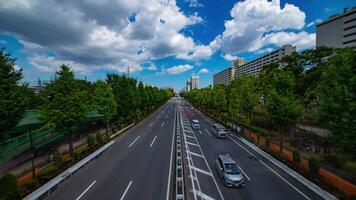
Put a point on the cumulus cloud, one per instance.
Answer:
(106, 34)
(178, 69)
(314, 22)
(255, 23)
(194, 3)
(229, 57)
(202, 51)
(203, 71)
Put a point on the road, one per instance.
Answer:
(263, 179)
(139, 165)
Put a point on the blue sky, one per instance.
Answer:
(162, 42)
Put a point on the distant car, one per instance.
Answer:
(219, 131)
(229, 171)
(195, 124)
(191, 107)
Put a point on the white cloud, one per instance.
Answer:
(301, 40)
(230, 57)
(314, 22)
(152, 67)
(201, 51)
(3, 42)
(253, 19)
(106, 34)
(194, 3)
(178, 69)
(203, 71)
(51, 64)
(262, 51)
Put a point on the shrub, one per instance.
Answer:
(9, 189)
(29, 186)
(99, 139)
(91, 141)
(47, 173)
(296, 156)
(336, 160)
(314, 166)
(57, 158)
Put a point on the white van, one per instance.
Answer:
(219, 131)
(195, 124)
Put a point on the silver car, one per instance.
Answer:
(229, 171)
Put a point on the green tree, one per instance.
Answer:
(244, 96)
(65, 103)
(104, 102)
(12, 100)
(336, 99)
(283, 106)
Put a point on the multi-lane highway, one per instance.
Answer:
(140, 165)
(137, 166)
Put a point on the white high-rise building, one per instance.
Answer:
(194, 81)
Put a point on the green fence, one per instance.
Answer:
(15, 146)
(41, 137)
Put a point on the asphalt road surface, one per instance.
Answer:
(139, 165)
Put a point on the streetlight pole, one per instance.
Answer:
(32, 153)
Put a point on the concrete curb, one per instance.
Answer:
(53, 184)
(316, 189)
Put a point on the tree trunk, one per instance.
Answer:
(71, 145)
(107, 129)
(281, 140)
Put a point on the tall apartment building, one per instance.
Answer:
(194, 81)
(226, 76)
(338, 31)
(254, 67)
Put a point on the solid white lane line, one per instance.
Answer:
(150, 124)
(248, 178)
(207, 132)
(170, 162)
(153, 141)
(305, 196)
(86, 190)
(268, 167)
(134, 141)
(127, 189)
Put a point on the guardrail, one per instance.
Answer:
(53, 184)
(122, 130)
(179, 193)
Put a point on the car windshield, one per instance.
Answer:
(232, 168)
(222, 130)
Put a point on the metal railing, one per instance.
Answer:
(179, 180)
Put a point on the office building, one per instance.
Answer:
(254, 67)
(338, 31)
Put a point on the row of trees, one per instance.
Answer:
(321, 79)
(66, 102)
